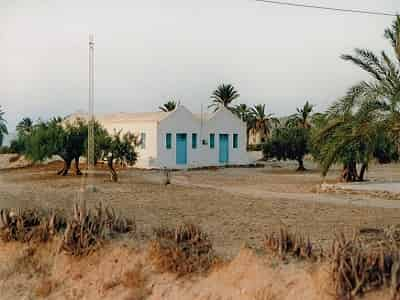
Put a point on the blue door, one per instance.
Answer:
(223, 148)
(181, 148)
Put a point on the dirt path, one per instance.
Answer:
(363, 201)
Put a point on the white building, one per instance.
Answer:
(181, 139)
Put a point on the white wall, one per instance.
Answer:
(180, 121)
(156, 154)
(224, 122)
(147, 155)
(183, 121)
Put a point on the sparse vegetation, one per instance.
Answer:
(30, 225)
(89, 228)
(286, 243)
(359, 266)
(183, 250)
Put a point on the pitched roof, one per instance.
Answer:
(142, 116)
(204, 116)
(120, 117)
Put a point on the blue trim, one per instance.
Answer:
(181, 148)
(235, 140)
(223, 148)
(194, 140)
(168, 140)
(212, 140)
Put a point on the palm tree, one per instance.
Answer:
(352, 126)
(25, 126)
(244, 112)
(261, 122)
(348, 137)
(3, 126)
(223, 96)
(301, 119)
(385, 84)
(168, 106)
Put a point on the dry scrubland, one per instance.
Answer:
(233, 206)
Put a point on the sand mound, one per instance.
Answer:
(121, 270)
(11, 161)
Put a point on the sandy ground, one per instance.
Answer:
(235, 206)
(122, 270)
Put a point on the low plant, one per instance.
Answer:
(359, 266)
(286, 243)
(183, 250)
(89, 228)
(25, 225)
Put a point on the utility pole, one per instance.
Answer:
(90, 154)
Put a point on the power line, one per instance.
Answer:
(356, 11)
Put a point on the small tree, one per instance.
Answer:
(119, 148)
(288, 143)
(55, 138)
(24, 129)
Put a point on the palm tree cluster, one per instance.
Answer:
(352, 130)
(258, 120)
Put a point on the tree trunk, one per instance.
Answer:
(63, 168)
(301, 167)
(113, 173)
(77, 170)
(349, 173)
(67, 166)
(362, 172)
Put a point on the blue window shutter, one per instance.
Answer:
(235, 140)
(194, 140)
(168, 140)
(212, 140)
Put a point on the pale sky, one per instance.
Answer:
(149, 51)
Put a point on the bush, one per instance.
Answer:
(288, 143)
(183, 250)
(88, 229)
(359, 266)
(286, 243)
(5, 150)
(30, 225)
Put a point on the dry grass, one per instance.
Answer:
(25, 225)
(183, 250)
(136, 281)
(360, 265)
(265, 294)
(88, 229)
(26, 262)
(287, 243)
(44, 288)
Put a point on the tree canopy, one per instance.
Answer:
(288, 143)
(168, 106)
(120, 148)
(224, 96)
(353, 130)
(3, 126)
